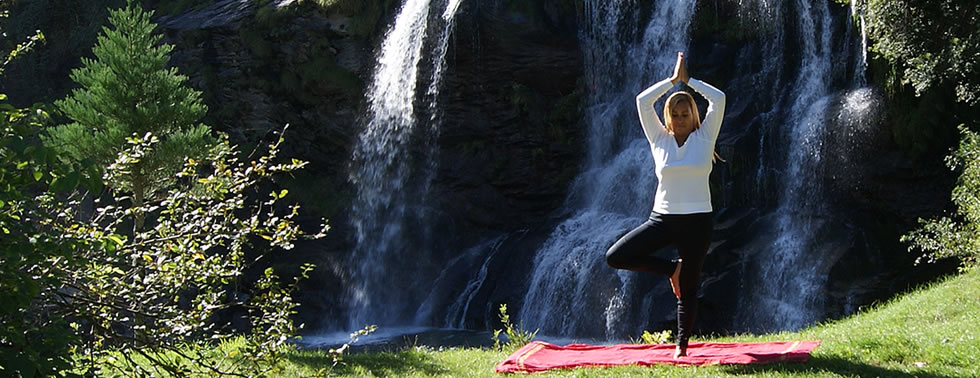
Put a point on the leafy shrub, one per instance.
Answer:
(957, 236)
(337, 353)
(517, 336)
(662, 337)
(31, 342)
(167, 288)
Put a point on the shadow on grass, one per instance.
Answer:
(383, 364)
(837, 366)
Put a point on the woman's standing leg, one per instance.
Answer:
(634, 251)
(692, 248)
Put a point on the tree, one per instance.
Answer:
(931, 42)
(79, 297)
(128, 90)
(935, 46)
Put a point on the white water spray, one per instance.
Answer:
(391, 190)
(787, 290)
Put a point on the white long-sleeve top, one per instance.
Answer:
(682, 171)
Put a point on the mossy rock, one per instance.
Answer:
(365, 15)
(327, 200)
(256, 42)
(324, 71)
(175, 7)
(290, 82)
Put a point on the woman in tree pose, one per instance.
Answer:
(683, 149)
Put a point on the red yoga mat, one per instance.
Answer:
(540, 356)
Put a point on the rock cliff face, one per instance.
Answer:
(509, 140)
(263, 68)
(511, 95)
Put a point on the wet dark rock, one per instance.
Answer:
(224, 13)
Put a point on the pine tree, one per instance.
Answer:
(129, 90)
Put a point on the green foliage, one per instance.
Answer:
(161, 294)
(934, 42)
(20, 48)
(31, 342)
(566, 114)
(256, 42)
(81, 297)
(70, 30)
(324, 71)
(934, 46)
(922, 125)
(521, 97)
(129, 90)
(328, 200)
(266, 16)
(336, 354)
(958, 236)
(662, 337)
(517, 336)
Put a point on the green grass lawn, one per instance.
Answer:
(932, 332)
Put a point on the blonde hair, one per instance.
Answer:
(679, 98)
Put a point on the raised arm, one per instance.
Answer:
(649, 120)
(652, 126)
(716, 106)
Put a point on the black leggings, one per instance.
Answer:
(691, 234)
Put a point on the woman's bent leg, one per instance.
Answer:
(634, 251)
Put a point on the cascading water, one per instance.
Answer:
(391, 173)
(786, 285)
(457, 270)
(862, 66)
(571, 290)
(768, 17)
(781, 91)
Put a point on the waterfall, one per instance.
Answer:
(861, 67)
(785, 90)
(786, 284)
(769, 20)
(572, 292)
(458, 270)
(392, 173)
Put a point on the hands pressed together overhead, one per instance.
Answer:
(680, 70)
